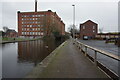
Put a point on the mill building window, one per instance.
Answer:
(93, 27)
(83, 27)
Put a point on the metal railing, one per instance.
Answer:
(109, 72)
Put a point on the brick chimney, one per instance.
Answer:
(35, 5)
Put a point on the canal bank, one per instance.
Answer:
(13, 41)
(66, 62)
(20, 58)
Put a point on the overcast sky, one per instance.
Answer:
(104, 13)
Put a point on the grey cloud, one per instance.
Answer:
(103, 13)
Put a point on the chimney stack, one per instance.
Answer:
(35, 5)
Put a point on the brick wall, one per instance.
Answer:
(39, 23)
(89, 29)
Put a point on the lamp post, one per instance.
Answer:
(73, 21)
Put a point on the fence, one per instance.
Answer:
(84, 48)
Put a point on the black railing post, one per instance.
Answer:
(85, 50)
(95, 58)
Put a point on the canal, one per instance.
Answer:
(107, 47)
(19, 58)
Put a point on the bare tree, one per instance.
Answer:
(70, 29)
(5, 28)
(101, 30)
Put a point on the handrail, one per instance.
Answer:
(102, 52)
(108, 71)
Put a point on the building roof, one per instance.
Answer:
(117, 33)
(89, 21)
(10, 30)
(39, 12)
(49, 11)
(34, 11)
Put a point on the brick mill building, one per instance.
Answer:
(39, 23)
(88, 29)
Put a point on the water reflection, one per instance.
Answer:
(34, 51)
(20, 58)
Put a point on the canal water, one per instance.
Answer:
(19, 58)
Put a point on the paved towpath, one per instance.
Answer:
(68, 62)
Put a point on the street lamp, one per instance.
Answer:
(73, 21)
